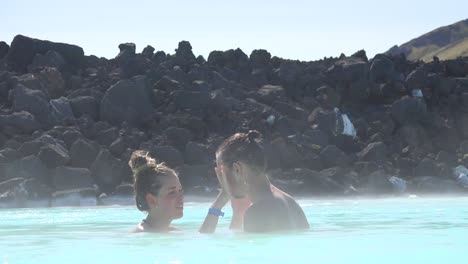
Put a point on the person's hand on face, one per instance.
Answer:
(219, 176)
(231, 181)
(222, 178)
(223, 196)
(240, 205)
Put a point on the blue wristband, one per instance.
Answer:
(215, 211)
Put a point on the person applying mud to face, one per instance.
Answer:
(241, 170)
(158, 192)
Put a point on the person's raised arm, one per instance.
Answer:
(211, 219)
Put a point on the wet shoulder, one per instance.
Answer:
(268, 215)
(278, 213)
(297, 214)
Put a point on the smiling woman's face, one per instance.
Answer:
(170, 199)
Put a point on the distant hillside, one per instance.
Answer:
(447, 43)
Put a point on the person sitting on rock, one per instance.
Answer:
(158, 192)
(241, 171)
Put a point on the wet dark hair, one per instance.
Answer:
(245, 147)
(147, 175)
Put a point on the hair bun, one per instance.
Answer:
(140, 158)
(252, 135)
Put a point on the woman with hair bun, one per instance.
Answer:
(241, 170)
(158, 192)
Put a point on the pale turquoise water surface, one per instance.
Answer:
(398, 230)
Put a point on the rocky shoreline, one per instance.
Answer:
(337, 126)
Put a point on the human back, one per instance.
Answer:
(276, 212)
(242, 162)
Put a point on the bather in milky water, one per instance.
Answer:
(241, 170)
(158, 192)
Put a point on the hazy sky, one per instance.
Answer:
(294, 29)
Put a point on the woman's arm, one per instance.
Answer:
(211, 220)
(239, 206)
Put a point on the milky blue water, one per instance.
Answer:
(398, 230)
